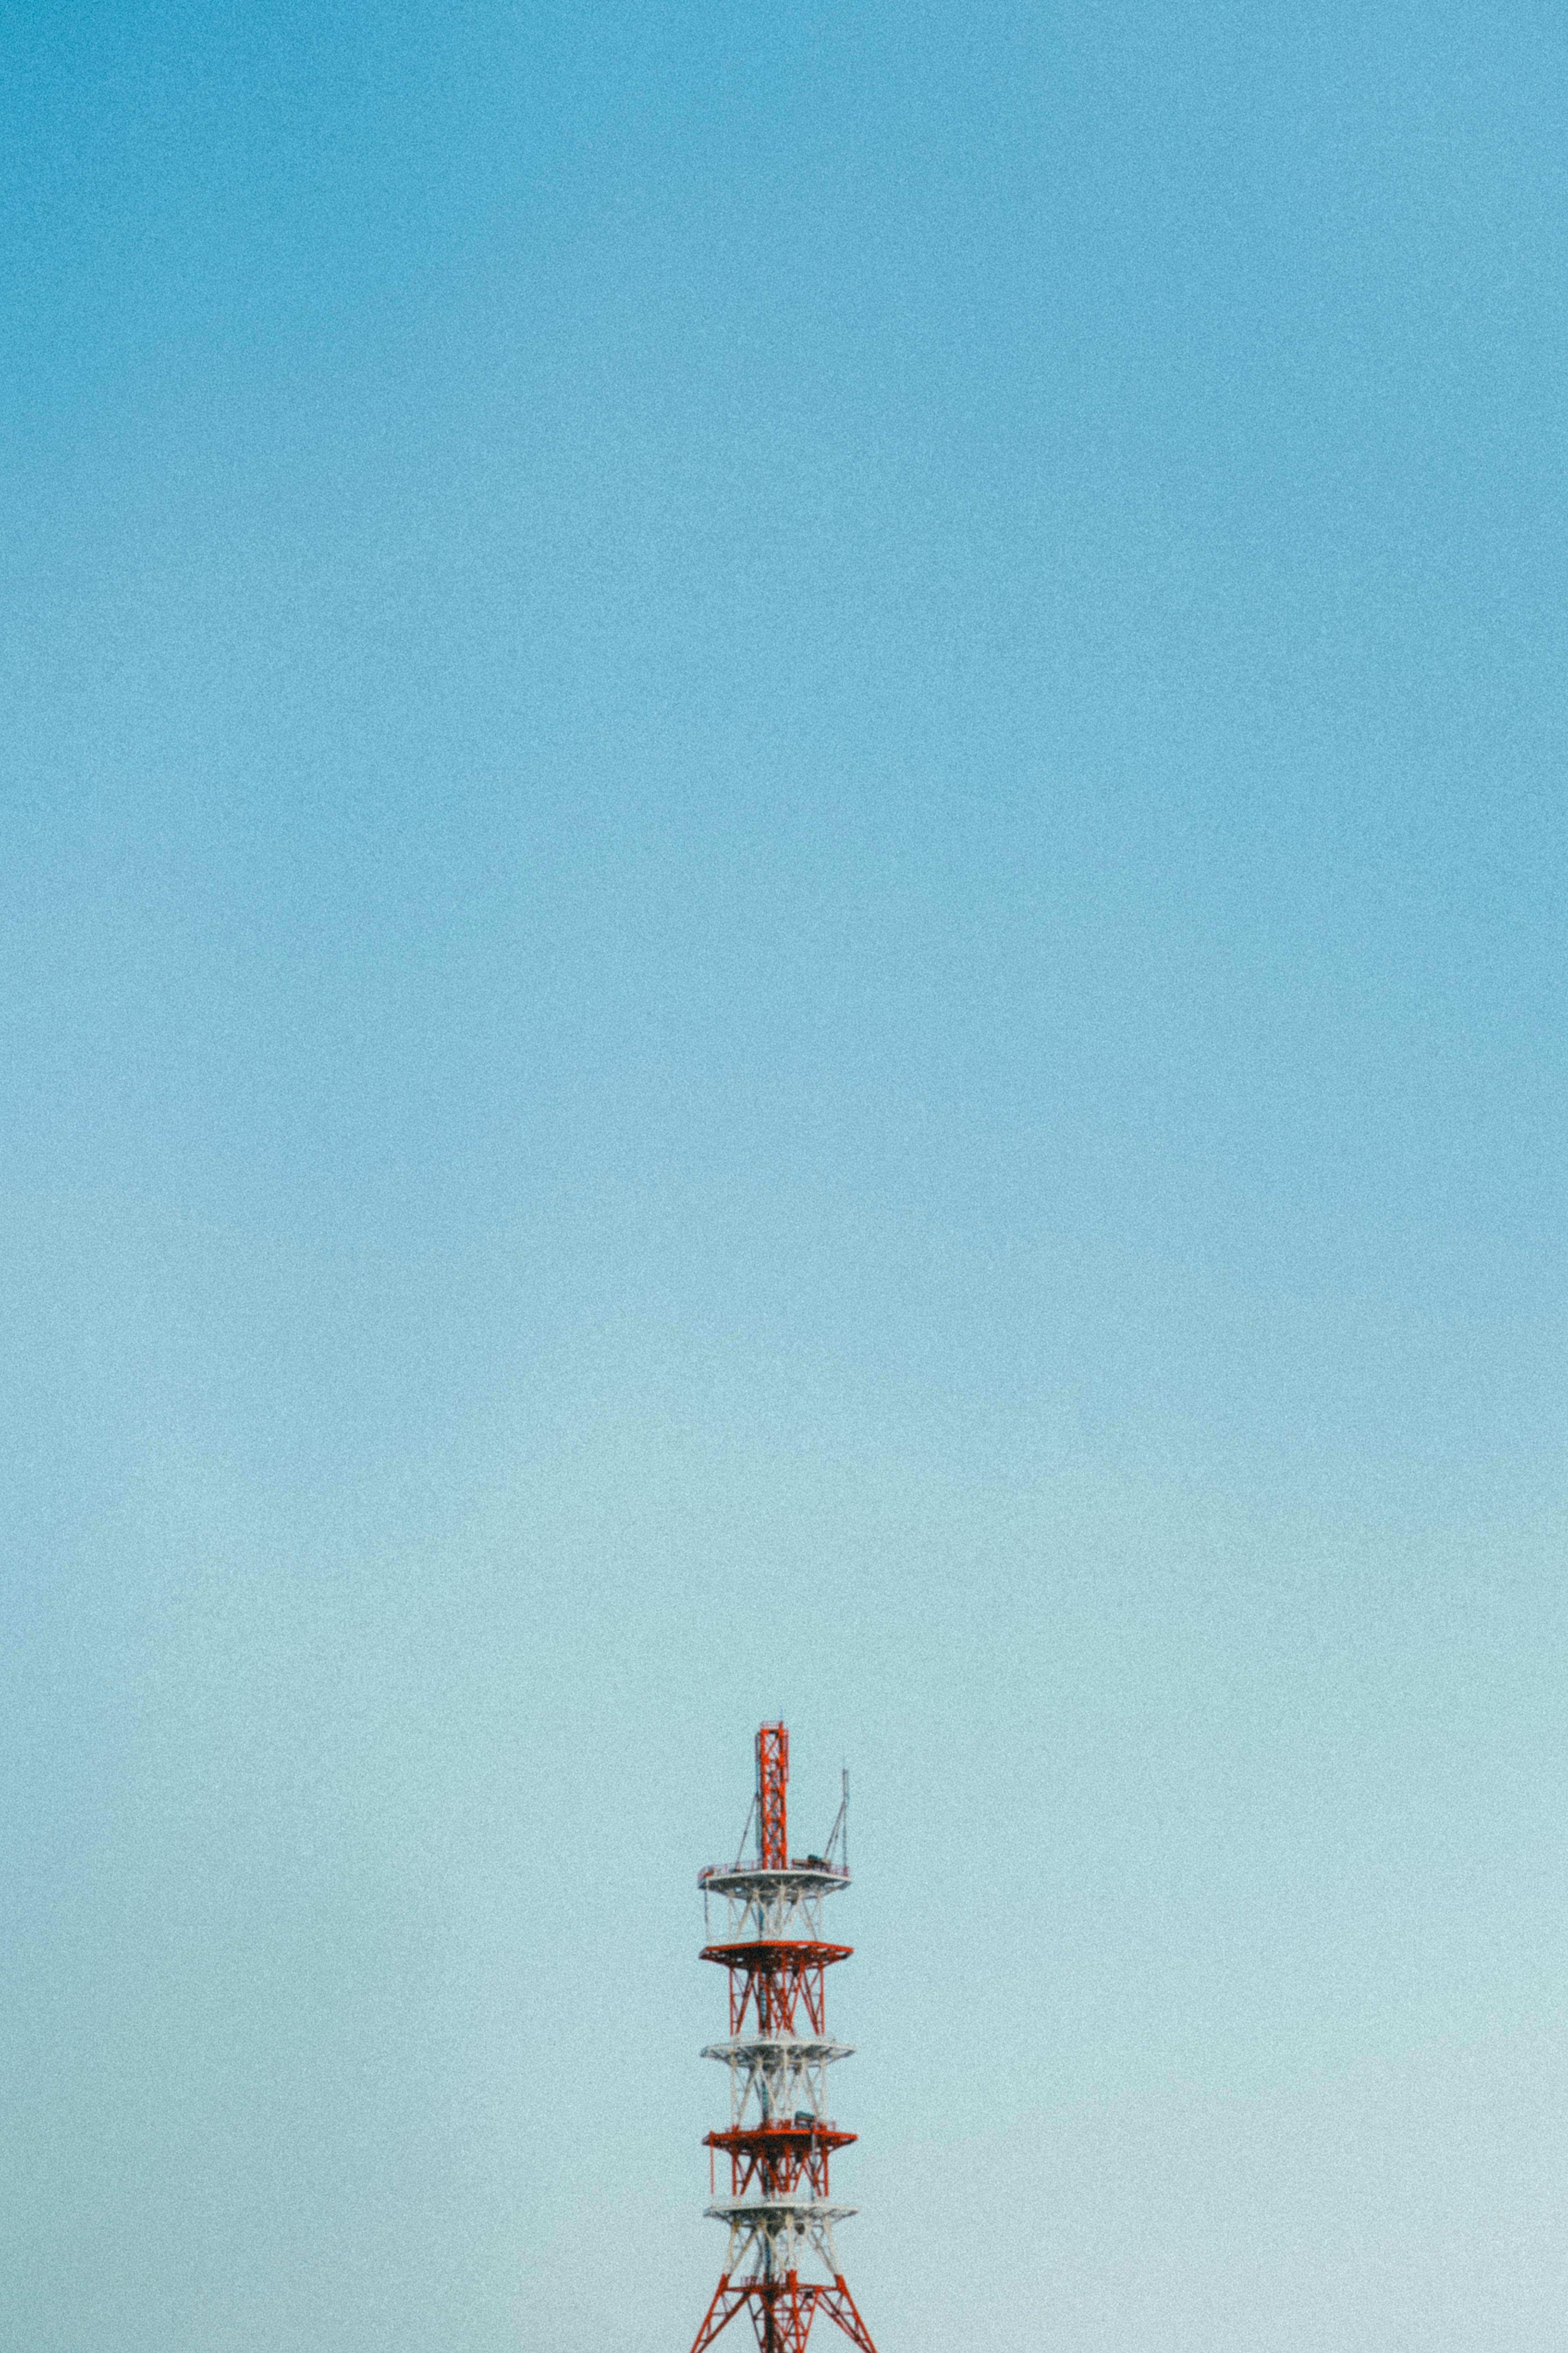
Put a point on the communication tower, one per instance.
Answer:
(779, 2138)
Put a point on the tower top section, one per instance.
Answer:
(773, 1870)
(772, 1793)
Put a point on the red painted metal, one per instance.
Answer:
(772, 1781)
(770, 1982)
(779, 2156)
(781, 2313)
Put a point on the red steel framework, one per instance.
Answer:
(780, 2137)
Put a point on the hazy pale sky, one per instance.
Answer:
(783, 883)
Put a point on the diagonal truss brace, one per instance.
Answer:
(783, 2312)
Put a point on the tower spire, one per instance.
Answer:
(773, 1789)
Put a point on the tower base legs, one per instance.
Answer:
(781, 2313)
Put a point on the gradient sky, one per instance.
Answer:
(784, 886)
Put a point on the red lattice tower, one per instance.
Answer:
(780, 2137)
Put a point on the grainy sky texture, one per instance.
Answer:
(782, 932)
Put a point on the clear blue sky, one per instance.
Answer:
(784, 933)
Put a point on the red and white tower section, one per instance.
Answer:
(782, 2267)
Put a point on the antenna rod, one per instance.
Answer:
(840, 1830)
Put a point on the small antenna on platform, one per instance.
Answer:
(839, 1836)
(745, 1832)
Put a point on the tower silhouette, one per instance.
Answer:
(780, 2137)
